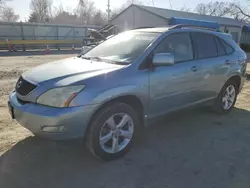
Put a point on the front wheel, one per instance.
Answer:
(226, 98)
(112, 131)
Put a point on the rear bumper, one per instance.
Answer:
(69, 123)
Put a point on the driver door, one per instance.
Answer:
(174, 87)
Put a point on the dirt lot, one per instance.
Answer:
(195, 148)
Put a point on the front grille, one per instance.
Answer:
(23, 87)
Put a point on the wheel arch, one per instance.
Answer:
(131, 100)
(237, 80)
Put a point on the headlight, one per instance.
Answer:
(59, 97)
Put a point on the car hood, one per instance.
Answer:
(72, 67)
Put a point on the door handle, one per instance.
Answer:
(228, 62)
(194, 68)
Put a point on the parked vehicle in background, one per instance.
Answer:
(108, 94)
(97, 38)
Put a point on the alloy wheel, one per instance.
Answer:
(228, 97)
(116, 133)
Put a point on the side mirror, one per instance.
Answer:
(163, 59)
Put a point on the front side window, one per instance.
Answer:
(205, 45)
(123, 48)
(177, 44)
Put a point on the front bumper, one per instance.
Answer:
(72, 121)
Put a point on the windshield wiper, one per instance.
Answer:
(92, 58)
(104, 60)
(96, 58)
(85, 57)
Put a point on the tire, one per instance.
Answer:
(219, 105)
(102, 127)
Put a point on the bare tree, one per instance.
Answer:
(8, 14)
(240, 12)
(2, 3)
(116, 11)
(85, 10)
(85, 13)
(64, 17)
(185, 9)
(99, 18)
(129, 2)
(33, 18)
(42, 8)
(58, 10)
(214, 8)
(237, 10)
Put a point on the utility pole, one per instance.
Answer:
(108, 10)
(153, 3)
(170, 4)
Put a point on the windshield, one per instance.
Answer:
(123, 48)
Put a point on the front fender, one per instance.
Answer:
(101, 97)
(131, 90)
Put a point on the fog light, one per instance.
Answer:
(53, 129)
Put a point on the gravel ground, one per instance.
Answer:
(189, 149)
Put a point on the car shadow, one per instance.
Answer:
(193, 147)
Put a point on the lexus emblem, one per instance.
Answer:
(18, 84)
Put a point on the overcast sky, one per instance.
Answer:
(23, 9)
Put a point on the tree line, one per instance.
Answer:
(86, 12)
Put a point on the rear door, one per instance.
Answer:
(214, 60)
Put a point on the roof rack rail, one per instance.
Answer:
(180, 26)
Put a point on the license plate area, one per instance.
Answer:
(11, 110)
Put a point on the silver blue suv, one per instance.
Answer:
(108, 94)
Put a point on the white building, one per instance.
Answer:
(136, 16)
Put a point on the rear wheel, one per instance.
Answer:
(112, 131)
(226, 98)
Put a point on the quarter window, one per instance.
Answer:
(220, 48)
(227, 47)
(177, 44)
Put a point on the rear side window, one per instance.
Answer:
(205, 45)
(220, 48)
(227, 47)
